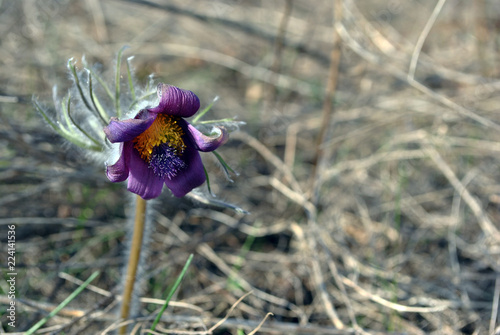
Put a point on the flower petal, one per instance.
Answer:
(141, 179)
(119, 171)
(208, 143)
(127, 130)
(192, 176)
(176, 101)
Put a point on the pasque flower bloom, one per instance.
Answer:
(159, 147)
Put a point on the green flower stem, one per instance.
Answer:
(133, 261)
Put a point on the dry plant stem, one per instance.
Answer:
(133, 261)
(206, 251)
(482, 36)
(270, 157)
(422, 38)
(311, 243)
(494, 309)
(387, 65)
(99, 20)
(484, 221)
(330, 93)
(278, 47)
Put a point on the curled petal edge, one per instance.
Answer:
(208, 143)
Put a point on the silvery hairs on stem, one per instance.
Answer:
(93, 100)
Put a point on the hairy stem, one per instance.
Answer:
(133, 261)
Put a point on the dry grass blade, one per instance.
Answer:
(229, 312)
(205, 250)
(260, 324)
(407, 177)
(328, 110)
(421, 39)
(270, 157)
(484, 221)
(494, 309)
(392, 305)
(33, 305)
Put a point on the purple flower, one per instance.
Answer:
(159, 147)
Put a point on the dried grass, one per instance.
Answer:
(396, 232)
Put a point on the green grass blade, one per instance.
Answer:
(233, 279)
(172, 291)
(63, 304)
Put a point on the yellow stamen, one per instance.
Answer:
(164, 129)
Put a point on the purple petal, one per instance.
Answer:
(192, 176)
(127, 130)
(142, 180)
(176, 101)
(208, 143)
(119, 171)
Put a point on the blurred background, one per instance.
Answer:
(368, 164)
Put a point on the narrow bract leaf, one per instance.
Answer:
(217, 203)
(208, 181)
(78, 127)
(225, 166)
(204, 111)
(117, 82)
(130, 79)
(103, 117)
(58, 128)
(99, 79)
(218, 121)
(72, 68)
(144, 97)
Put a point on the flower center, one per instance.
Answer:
(165, 162)
(164, 130)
